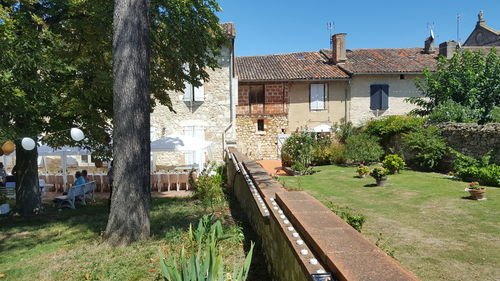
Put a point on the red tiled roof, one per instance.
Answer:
(387, 60)
(294, 66)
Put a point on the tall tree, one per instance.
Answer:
(129, 217)
(466, 86)
(56, 68)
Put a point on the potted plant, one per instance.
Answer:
(393, 163)
(4, 206)
(363, 170)
(380, 175)
(476, 191)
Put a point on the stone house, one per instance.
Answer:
(483, 35)
(205, 113)
(279, 94)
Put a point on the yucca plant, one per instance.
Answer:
(206, 262)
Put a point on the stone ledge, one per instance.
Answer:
(347, 253)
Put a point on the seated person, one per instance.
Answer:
(84, 176)
(79, 178)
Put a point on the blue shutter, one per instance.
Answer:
(374, 97)
(384, 97)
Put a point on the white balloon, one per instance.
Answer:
(28, 143)
(77, 134)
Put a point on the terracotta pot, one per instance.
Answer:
(477, 194)
(382, 181)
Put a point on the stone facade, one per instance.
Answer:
(260, 144)
(472, 139)
(399, 90)
(483, 35)
(211, 118)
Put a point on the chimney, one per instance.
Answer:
(446, 49)
(338, 51)
(429, 46)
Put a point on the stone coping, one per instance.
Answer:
(338, 247)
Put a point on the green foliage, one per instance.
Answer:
(392, 125)
(486, 175)
(353, 218)
(3, 198)
(385, 245)
(208, 188)
(204, 261)
(363, 148)
(495, 114)
(363, 170)
(319, 152)
(343, 130)
(379, 173)
(297, 150)
(463, 161)
(425, 147)
(450, 111)
(336, 153)
(470, 79)
(393, 163)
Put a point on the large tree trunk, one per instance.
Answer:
(131, 200)
(28, 200)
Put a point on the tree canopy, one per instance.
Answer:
(56, 64)
(465, 88)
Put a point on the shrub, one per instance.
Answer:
(336, 153)
(298, 148)
(495, 114)
(204, 260)
(343, 130)
(462, 161)
(320, 155)
(392, 125)
(363, 148)
(487, 175)
(362, 170)
(393, 163)
(425, 148)
(208, 188)
(349, 215)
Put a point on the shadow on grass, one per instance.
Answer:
(89, 222)
(370, 185)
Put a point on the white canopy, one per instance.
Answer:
(322, 128)
(45, 150)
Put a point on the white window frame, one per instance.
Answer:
(315, 102)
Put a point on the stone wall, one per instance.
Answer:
(212, 114)
(260, 144)
(301, 239)
(472, 139)
(275, 99)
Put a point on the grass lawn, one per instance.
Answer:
(435, 232)
(67, 245)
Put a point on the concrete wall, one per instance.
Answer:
(399, 89)
(213, 114)
(281, 219)
(300, 116)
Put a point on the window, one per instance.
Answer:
(317, 96)
(260, 125)
(195, 132)
(379, 97)
(193, 93)
(402, 77)
(257, 94)
(85, 159)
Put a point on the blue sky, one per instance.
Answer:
(284, 26)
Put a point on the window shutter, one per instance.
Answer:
(188, 91)
(199, 93)
(374, 97)
(384, 97)
(189, 131)
(317, 96)
(199, 133)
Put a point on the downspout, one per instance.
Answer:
(231, 103)
(347, 114)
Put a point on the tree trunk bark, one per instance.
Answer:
(28, 200)
(131, 200)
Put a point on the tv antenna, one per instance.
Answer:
(430, 26)
(330, 26)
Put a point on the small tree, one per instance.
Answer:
(469, 79)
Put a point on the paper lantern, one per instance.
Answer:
(28, 143)
(98, 163)
(77, 134)
(8, 147)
